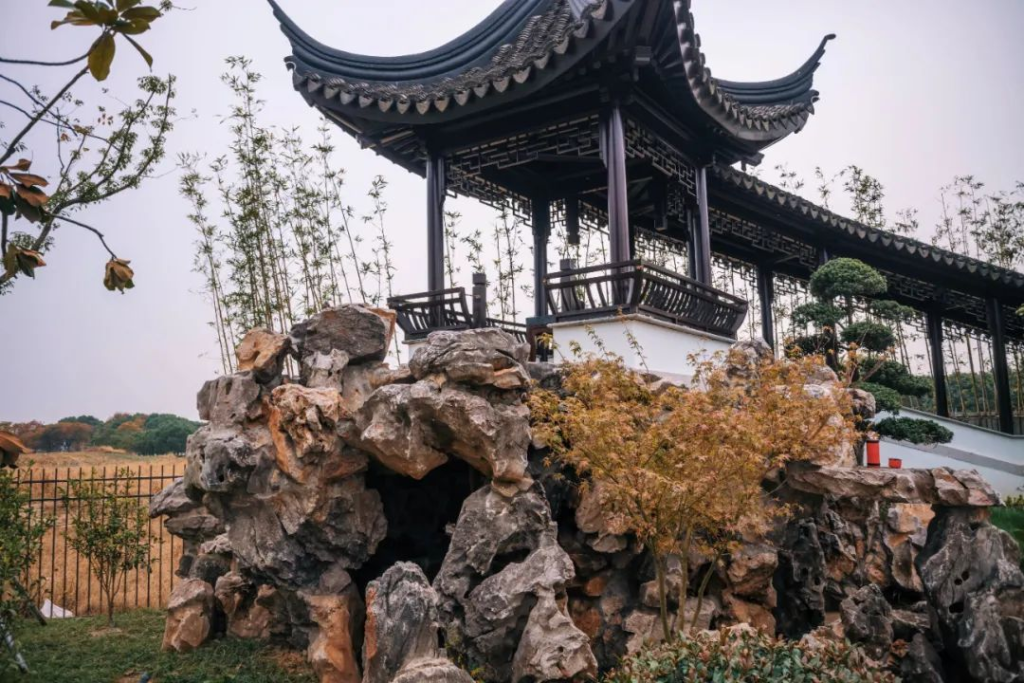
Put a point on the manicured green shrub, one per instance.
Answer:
(869, 335)
(739, 656)
(914, 431)
(846, 277)
(895, 375)
(886, 399)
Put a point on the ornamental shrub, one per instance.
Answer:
(743, 655)
(886, 399)
(846, 278)
(914, 431)
(869, 335)
(895, 375)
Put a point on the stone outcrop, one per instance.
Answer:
(190, 614)
(402, 630)
(419, 488)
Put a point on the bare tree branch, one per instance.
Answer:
(13, 145)
(90, 229)
(32, 62)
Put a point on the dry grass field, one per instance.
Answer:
(60, 574)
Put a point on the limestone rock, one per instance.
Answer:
(412, 428)
(739, 611)
(244, 606)
(171, 501)
(867, 620)
(751, 569)
(503, 561)
(433, 671)
(972, 578)
(221, 459)
(189, 616)
(604, 533)
(744, 356)
(304, 424)
(320, 370)
(961, 488)
(362, 333)
(862, 403)
(333, 646)
(552, 648)
(231, 399)
(484, 357)
(921, 663)
(401, 623)
(262, 351)
(800, 579)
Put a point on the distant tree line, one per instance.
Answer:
(152, 434)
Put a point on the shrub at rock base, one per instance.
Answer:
(741, 654)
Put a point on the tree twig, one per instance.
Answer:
(3, 234)
(32, 62)
(90, 229)
(13, 145)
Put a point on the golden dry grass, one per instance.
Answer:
(62, 575)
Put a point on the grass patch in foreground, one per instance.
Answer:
(1011, 520)
(81, 651)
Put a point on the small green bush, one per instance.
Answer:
(895, 375)
(818, 313)
(740, 656)
(913, 430)
(869, 335)
(1011, 520)
(846, 277)
(886, 399)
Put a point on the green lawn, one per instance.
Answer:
(1011, 520)
(78, 651)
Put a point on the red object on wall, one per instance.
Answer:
(874, 452)
(895, 463)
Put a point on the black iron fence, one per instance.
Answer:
(60, 574)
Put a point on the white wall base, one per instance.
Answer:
(665, 348)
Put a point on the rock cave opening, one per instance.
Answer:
(420, 514)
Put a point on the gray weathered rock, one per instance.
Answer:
(800, 579)
(247, 616)
(867, 620)
(221, 458)
(319, 370)
(958, 488)
(972, 578)
(171, 501)
(334, 642)
(922, 663)
(503, 560)
(362, 333)
(189, 616)
(401, 623)
(433, 671)
(262, 351)
(552, 648)
(751, 569)
(231, 399)
(485, 357)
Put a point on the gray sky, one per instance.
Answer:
(915, 91)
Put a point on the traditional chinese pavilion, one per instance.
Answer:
(603, 115)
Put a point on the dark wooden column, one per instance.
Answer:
(614, 145)
(766, 296)
(1000, 368)
(436, 185)
(572, 220)
(702, 230)
(935, 343)
(541, 230)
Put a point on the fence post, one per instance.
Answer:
(479, 300)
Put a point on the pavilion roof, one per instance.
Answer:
(1008, 283)
(524, 45)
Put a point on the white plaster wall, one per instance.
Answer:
(997, 457)
(664, 348)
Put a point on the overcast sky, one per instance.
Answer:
(915, 91)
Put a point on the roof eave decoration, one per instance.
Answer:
(1001, 277)
(756, 112)
(512, 51)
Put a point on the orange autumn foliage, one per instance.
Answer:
(684, 468)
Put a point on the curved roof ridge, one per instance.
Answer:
(756, 112)
(796, 85)
(476, 44)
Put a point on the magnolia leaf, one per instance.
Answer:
(62, 3)
(101, 55)
(118, 275)
(22, 165)
(33, 214)
(124, 5)
(146, 13)
(132, 28)
(5, 191)
(33, 195)
(145, 55)
(90, 10)
(22, 260)
(30, 179)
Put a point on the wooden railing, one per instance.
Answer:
(446, 309)
(640, 287)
